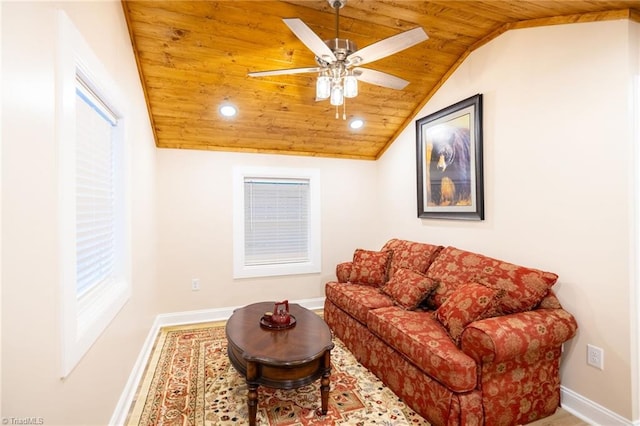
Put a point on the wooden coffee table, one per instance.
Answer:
(282, 359)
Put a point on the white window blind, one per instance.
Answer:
(95, 193)
(276, 221)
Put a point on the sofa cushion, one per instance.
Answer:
(410, 255)
(423, 340)
(356, 299)
(408, 288)
(370, 267)
(470, 302)
(524, 287)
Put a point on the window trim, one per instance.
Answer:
(240, 269)
(83, 319)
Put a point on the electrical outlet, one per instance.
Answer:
(595, 356)
(195, 284)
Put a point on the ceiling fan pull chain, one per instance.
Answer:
(344, 110)
(337, 113)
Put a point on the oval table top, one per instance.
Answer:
(309, 339)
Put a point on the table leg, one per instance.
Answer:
(324, 382)
(252, 396)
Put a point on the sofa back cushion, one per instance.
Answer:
(524, 288)
(411, 255)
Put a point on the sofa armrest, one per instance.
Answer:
(343, 271)
(503, 338)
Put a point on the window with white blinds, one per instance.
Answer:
(94, 213)
(95, 191)
(276, 221)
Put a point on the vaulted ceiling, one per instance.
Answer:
(194, 56)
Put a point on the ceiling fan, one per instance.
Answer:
(339, 60)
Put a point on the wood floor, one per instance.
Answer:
(560, 418)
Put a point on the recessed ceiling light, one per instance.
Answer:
(356, 123)
(228, 110)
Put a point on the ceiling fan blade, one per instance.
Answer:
(284, 71)
(380, 78)
(388, 46)
(310, 39)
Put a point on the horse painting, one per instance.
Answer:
(449, 168)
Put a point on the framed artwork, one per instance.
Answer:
(449, 162)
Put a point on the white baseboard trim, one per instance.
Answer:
(119, 416)
(591, 412)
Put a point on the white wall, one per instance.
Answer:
(195, 199)
(31, 341)
(559, 191)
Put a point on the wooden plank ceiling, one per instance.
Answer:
(193, 56)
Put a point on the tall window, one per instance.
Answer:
(276, 222)
(94, 248)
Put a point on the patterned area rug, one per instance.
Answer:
(190, 381)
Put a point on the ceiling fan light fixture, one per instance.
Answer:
(323, 87)
(350, 86)
(337, 97)
(337, 60)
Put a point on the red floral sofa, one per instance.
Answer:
(462, 338)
